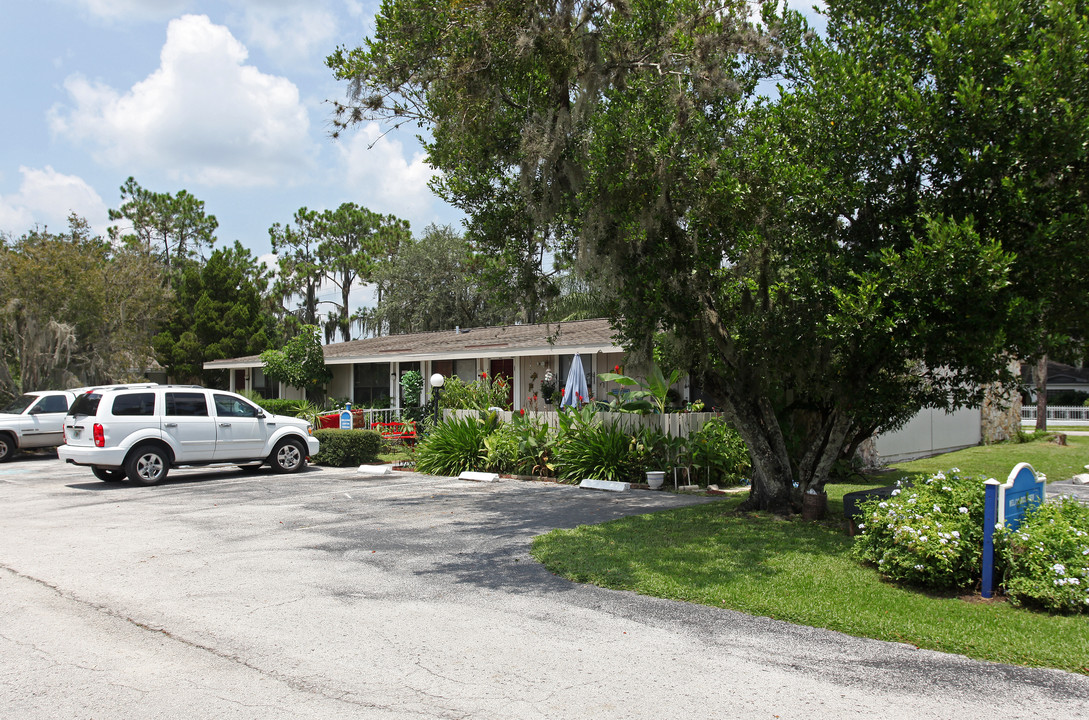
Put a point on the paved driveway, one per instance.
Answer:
(331, 595)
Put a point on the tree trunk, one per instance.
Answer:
(1040, 380)
(772, 475)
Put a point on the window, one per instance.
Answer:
(371, 384)
(464, 369)
(228, 406)
(186, 404)
(263, 386)
(52, 404)
(407, 367)
(86, 404)
(142, 404)
(20, 404)
(563, 363)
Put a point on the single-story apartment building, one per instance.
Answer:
(368, 371)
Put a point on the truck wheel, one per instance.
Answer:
(288, 457)
(109, 474)
(7, 447)
(147, 465)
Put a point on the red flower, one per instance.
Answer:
(484, 375)
(616, 369)
(522, 411)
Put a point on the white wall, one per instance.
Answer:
(929, 433)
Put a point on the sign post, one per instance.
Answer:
(1006, 505)
(346, 417)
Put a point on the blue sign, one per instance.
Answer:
(346, 417)
(1007, 504)
(1019, 494)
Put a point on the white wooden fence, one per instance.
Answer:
(1074, 415)
(673, 424)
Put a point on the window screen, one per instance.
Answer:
(186, 404)
(134, 404)
(371, 384)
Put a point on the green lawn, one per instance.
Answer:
(801, 572)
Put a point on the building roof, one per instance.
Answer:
(1057, 374)
(579, 336)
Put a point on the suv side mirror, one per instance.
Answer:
(261, 414)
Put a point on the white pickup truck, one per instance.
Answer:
(34, 420)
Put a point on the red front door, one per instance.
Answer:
(505, 369)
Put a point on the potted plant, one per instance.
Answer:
(548, 386)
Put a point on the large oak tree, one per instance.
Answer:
(868, 242)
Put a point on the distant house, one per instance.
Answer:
(368, 371)
(1059, 377)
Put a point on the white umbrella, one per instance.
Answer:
(574, 393)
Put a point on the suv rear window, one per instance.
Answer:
(85, 404)
(142, 404)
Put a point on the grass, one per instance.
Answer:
(1057, 462)
(803, 573)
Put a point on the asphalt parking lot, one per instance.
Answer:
(330, 594)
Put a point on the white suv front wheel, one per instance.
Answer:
(147, 465)
(289, 456)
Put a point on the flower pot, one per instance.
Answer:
(655, 478)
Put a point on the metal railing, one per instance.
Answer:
(1060, 415)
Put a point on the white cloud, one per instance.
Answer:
(376, 169)
(46, 197)
(290, 32)
(203, 115)
(132, 9)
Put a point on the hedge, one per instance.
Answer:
(344, 448)
(279, 406)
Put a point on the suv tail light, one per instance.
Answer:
(100, 435)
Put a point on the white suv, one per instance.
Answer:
(143, 433)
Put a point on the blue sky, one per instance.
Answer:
(227, 100)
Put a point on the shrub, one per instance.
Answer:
(521, 446)
(480, 394)
(1047, 558)
(344, 448)
(501, 449)
(455, 445)
(930, 534)
(280, 406)
(718, 454)
(586, 448)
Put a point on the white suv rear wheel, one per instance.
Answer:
(147, 465)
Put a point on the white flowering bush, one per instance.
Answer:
(928, 534)
(1046, 559)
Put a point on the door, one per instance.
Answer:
(188, 423)
(240, 434)
(46, 427)
(505, 369)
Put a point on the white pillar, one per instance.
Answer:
(517, 380)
